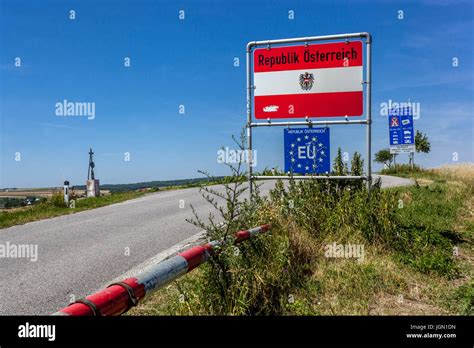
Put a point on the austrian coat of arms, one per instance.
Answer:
(306, 81)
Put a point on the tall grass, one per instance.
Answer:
(462, 171)
(259, 276)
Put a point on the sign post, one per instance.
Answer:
(66, 192)
(309, 80)
(401, 131)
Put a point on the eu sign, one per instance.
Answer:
(307, 150)
(401, 130)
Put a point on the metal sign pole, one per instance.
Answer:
(368, 42)
(249, 120)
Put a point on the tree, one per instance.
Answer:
(384, 156)
(422, 144)
(357, 168)
(357, 164)
(339, 167)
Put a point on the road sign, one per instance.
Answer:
(307, 150)
(308, 80)
(401, 130)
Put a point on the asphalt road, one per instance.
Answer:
(79, 254)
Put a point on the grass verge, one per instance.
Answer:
(415, 254)
(55, 207)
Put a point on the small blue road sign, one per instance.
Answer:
(307, 150)
(401, 130)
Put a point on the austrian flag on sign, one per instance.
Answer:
(309, 80)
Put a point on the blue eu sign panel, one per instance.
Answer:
(401, 130)
(307, 150)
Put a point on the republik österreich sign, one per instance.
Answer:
(308, 56)
(309, 80)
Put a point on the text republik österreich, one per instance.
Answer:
(289, 58)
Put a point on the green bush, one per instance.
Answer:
(464, 298)
(57, 200)
(246, 279)
(402, 169)
(258, 276)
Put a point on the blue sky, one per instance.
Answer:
(190, 62)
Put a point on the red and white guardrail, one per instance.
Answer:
(119, 297)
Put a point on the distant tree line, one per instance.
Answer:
(151, 184)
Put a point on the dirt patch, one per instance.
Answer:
(407, 197)
(388, 304)
(424, 182)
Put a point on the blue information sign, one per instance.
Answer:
(307, 150)
(401, 130)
